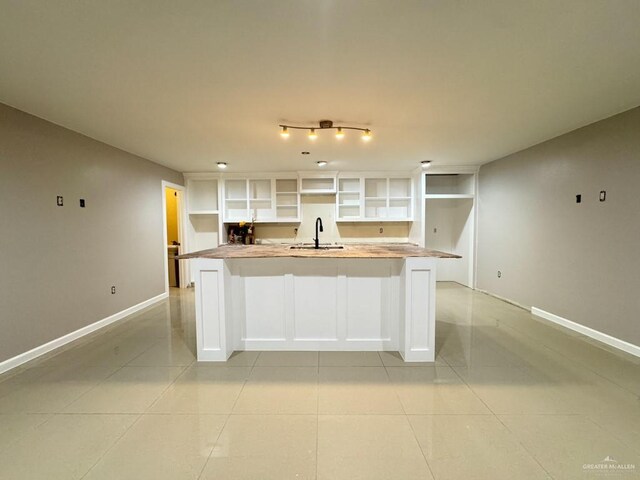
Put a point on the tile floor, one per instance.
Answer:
(509, 397)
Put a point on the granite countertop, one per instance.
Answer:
(354, 250)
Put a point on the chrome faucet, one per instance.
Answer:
(317, 239)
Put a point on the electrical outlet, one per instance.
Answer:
(499, 274)
(82, 203)
(59, 201)
(603, 195)
(113, 290)
(578, 198)
(381, 230)
(435, 230)
(295, 231)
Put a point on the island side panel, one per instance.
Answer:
(211, 324)
(371, 313)
(315, 304)
(418, 327)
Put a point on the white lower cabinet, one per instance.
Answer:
(331, 304)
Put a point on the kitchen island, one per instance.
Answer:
(356, 297)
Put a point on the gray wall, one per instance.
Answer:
(57, 264)
(579, 261)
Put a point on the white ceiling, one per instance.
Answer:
(191, 82)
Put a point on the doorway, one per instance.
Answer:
(172, 205)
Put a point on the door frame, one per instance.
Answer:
(181, 229)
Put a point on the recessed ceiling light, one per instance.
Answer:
(321, 163)
(425, 163)
(222, 165)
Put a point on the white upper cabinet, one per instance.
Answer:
(202, 207)
(287, 200)
(315, 183)
(349, 200)
(450, 185)
(202, 196)
(374, 198)
(261, 200)
(236, 200)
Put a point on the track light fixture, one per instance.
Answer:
(425, 164)
(326, 125)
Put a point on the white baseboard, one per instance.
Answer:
(589, 332)
(70, 337)
(504, 299)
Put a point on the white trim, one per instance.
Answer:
(476, 228)
(81, 332)
(589, 332)
(181, 226)
(504, 299)
(451, 169)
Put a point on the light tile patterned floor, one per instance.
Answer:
(509, 397)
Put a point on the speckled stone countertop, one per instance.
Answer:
(354, 250)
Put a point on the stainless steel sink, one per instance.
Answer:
(311, 246)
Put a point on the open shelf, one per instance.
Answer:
(202, 195)
(444, 196)
(450, 184)
(204, 212)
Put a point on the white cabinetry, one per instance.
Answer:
(236, 200)
(349, 198)
(314, 183)
(287, 200)
(328, 304)
(449, 223)
(263, 200)
(203, 224)
(202, 207)
(374, 198)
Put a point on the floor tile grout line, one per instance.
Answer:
(524, 447)
(157, 399)
(415, 436)
(158, 342)
(112, 446)
(213, 447)
(495, 415)
(578, 363)
(317, 415)
(226, 420)
(623, 441)
(406, 417)
(35, 427)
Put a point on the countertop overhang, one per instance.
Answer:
(353, 250)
